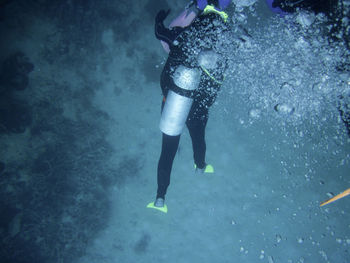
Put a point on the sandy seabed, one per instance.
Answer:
(77, 181)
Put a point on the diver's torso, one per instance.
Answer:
(202, 36)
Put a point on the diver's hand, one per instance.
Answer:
(162, 14)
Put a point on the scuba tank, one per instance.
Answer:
(179, 100)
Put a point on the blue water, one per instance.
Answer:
(76, 181)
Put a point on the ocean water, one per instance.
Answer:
(79, 141)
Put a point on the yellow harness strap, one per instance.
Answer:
(211, 9)
(210, 76)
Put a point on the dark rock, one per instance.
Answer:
(19, 81)
(143, 243)
(18, 63)
(7, 214)
(320, 6)
(2, 167)
(15, 119)
(15, 70)
(4, 2)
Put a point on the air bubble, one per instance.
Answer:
(300, 240)
(278, 238)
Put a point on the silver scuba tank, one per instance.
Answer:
(177, 106)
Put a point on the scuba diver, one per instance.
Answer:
(190, 80)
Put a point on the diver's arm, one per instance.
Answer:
(163, 33)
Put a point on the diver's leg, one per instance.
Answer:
(196, 124)
(169, 148)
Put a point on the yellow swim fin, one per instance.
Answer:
(209, 169)
(164, 208)
(334, 198)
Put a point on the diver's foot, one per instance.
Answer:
(159, 202)
(200, 170)
(159, 205)
(208, 169)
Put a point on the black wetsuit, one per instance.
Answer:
(203, 34)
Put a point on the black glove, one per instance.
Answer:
(165, 34)
(162, 14)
